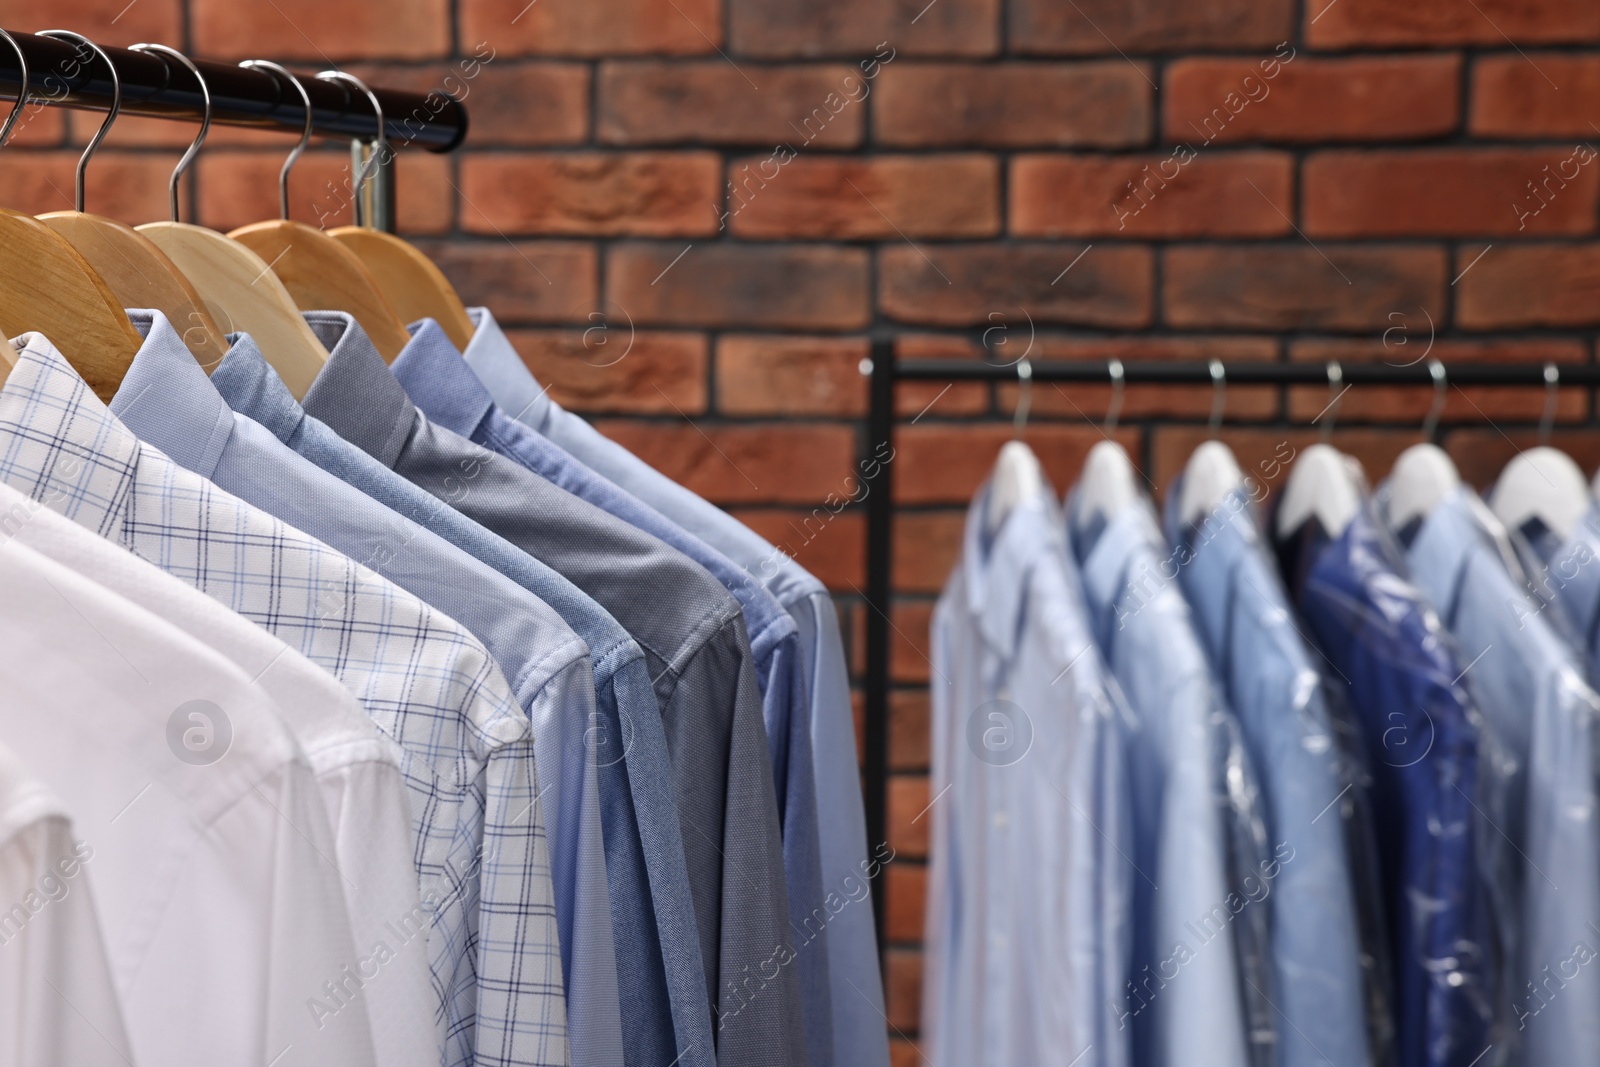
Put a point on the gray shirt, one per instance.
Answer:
(693, 636)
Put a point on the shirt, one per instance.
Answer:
(1242, 615)
(661, 979)
(1186, 1002)
(1390, 651)
(1568, 586)
(445, 389)
(855, 977)
(693, 637)
(1530, 687)
(204, 828)
(428, 684)
(58, 1001)
(167, 399)
(1025, 955)
(357, 769)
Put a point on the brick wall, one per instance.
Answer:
(690, 212)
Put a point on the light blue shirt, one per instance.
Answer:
(1186, 1002)
(860, 1038)
(1529, 685)
(665, 1013)
(1299, 748)
(168, 401)
(1027, 940)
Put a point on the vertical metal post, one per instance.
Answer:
(878, 471)
(375, 200)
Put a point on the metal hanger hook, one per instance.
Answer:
(1118, 382)
(1430, 425)
(205, 119)
(1552, 379)
(22, 94)
(380, 145)
(1219, 396)
(1024, 397)
(305, 135)
(111, 113)
(1335, 381)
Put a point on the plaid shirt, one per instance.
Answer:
(467, 748)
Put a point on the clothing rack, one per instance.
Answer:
(878, 477)
(61, 72)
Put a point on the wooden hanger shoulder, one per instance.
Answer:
(46, 286)
(140, 275)
(323, 275)
(413, 283)
(243, 294)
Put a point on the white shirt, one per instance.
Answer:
(58, 1003)
(356, 767)
(221, 915)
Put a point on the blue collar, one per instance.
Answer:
(167, 400)
(496, 363)
(251, 387)
(431, 364)
(374, 412)
(996, 568)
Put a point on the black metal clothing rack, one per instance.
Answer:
(878, 477)
(66, 74)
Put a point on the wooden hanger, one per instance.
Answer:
(134, 269)
(46, 286)
(238, 286)
(319, 272)
(413, 283)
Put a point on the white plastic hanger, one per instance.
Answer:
(1542, 483)
(1017, 474)
(1212, 471)
(1324, 485)
(1108, 484)
(1424, 474)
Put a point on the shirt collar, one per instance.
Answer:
(1127, 535)
(169, 402)
(997, 566)
(430, 364)
(251, 387)
(355, 393)
(496, 363)
(1225, 538)
(61, 444)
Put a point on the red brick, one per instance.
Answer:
(782, 287)
(1013, 105)
(1231, 194)
(927, 545)
(908, 799)
(648, 102)
(1362, 98)
(1008, 286)
(831, 547)
(531, 282)
(907, 889)
(1520, 286)
(1408, 346)
(1045, 27)
(1268, 454)
(767, 375)
(904, 1053)
(238, 187)
(594, 28)
(944, 463)
(909, 663)
(526, 104)
(612, 368)
(909, 742)
(792, 463)
(865, 199)
(862, 28)
(1440, 23)
(1511, 97)
(941, 399)
(903, 988)
(1481, 453)
(1093, 401)
(317, 31)
(128, 187)
(1449, 193)
(1349, 288)
(111, 25)
(644, 194)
